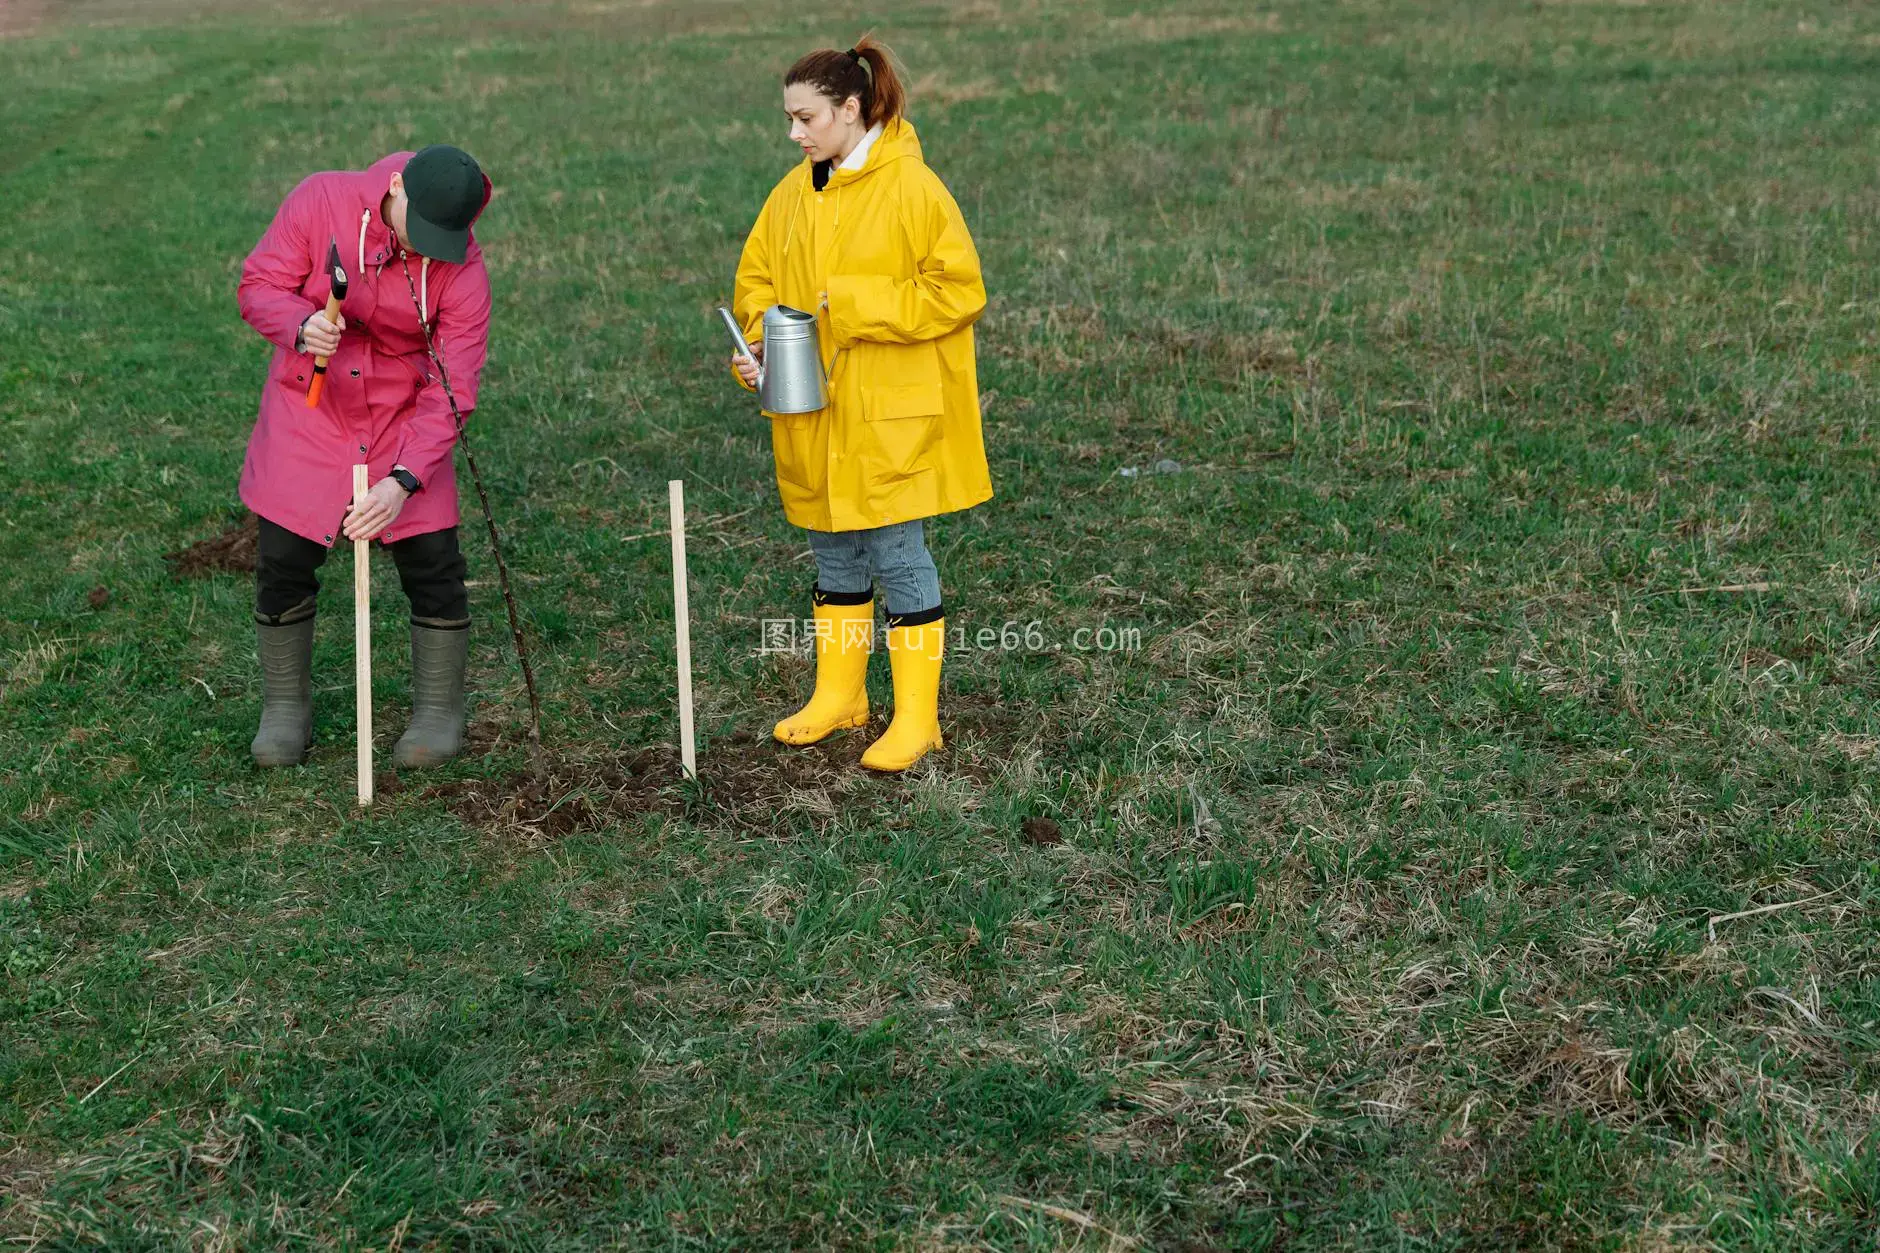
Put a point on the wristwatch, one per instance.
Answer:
(405, 479)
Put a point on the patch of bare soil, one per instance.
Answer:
(747, 783)
(565, 796)
(231, 552)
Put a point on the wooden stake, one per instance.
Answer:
(362, 641)
(682, 627)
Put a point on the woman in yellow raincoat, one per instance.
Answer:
(864, 234)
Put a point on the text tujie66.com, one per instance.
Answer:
(798, 635)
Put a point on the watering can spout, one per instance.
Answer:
(743, 345)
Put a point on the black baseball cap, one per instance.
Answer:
(447, 190)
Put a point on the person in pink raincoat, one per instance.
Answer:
(402, 228)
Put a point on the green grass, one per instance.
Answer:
(1493, 341)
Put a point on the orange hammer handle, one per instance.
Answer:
(319, 363)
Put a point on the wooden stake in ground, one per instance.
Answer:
(682, 627)
(362, 641)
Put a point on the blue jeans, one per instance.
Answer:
(848, 563)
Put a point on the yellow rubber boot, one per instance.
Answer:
(845, 635)
(914, 653)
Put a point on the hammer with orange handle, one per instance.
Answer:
(338, 273)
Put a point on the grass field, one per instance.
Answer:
(1507, 634)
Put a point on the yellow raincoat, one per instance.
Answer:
(900, 437)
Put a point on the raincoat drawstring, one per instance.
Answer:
(424, 269)
(790, 236)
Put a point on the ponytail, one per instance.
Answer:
(866, 71)
(886, 98)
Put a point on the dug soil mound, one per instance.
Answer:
(231, 552)
(565, 796)
(747, 783)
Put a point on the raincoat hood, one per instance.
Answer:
(897, 142)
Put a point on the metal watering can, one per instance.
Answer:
(791, 378)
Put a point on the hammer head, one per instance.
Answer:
(335, 270)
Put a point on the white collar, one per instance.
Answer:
(854, 160)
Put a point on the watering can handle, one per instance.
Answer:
(743, 345)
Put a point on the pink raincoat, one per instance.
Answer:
(382, 404)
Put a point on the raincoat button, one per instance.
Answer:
(329, 539)
(355, 374)
(362, 448)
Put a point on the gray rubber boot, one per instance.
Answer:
(437, 666)
(286, 652)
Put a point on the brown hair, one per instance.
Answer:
(865, 71)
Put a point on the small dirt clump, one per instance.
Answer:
(231, 552)
(1042, 832)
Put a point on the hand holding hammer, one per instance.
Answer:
(320, 332)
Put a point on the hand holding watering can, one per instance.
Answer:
(787, 367)
(749, 368)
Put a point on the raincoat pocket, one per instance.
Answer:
(293, 371)
(799, 454)
(904, 421)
